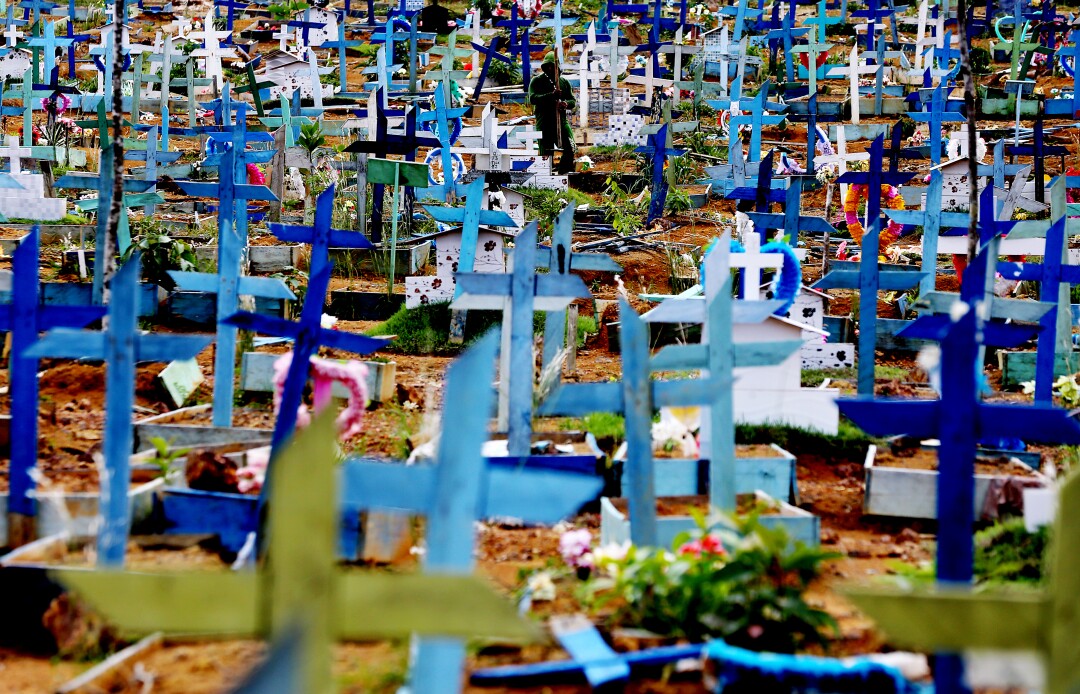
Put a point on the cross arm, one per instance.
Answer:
(885, 178)
(888, 280)
(891, 416)
(215, 603)
(594, 262)
(770, 220)
(267, 287)
(957, 619)
(49, 317)
(305, 234)
(203, 189)
(747, 354)
(449, 215)
(580, 399)
(536, 496)
(150, 347)
(351, 342)
(995, 334)
(69, 343)
(683, 392)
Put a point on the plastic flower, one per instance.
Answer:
(575, 546)
(709, 544)
(542, 587)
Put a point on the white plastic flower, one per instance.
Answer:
(542, 587)
(328, 321)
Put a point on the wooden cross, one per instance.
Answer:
(868, 276)
(490, 53)
(320, 234)
(518, 295)
(457, 491)
(440, 121)
(308, 336)
(659, 149)
(513, 24)
(50, 43)
(152, 156)
(302, 586)
(785, 36)
(1017, 68)
(741, 11)
(229, 283)
(718, 356)
(446, 72)
(120, 347)
(960, 618)
(14, 154)
(562, 260)
(678, 49)
(757, 119)
(253, 85)
(790, 221)
(874, 13)
(25, 317)
(396, 174)
(342, 45)
(935, 117)
(556, 23)
(637, 397)
(959, 420)
(763, 192)
(1039, 151)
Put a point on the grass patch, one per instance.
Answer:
(544, 205)
(586, 326)
(426, 329)
(850, 442)
(812, 378)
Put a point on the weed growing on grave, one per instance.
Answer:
(165, 456)
(160, 253)
(296, 280)
(678, 200)
(504, 74)
(739, 581)
(544, 205)
(426, 329)
(849, 443)
(624, 212)
(586, 326)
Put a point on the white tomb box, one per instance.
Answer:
(955, 184)
(28, 202)
(509, 201)
(420, 291)
(810, 308)
(329, 32)
(773, 394)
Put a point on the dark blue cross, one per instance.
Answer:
(935, 116)
(1038, 150)
(24, 318)
(959, 420)
(320, 234)
(659, 148)
(763, 192)
(513, 24)
(121, 347)
(74, 38)
(490, 53)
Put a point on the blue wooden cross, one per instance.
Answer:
(1055, 277)
(228, 283)
(153, 156)
(518, 295)
(1017, 45)
(320, 234)
(455, 492)
(757, 119)
(308, 336)
(74, 38)
(659, 148)
(935, 116)
(470, 217)
(24, 318)
(562, 260)
(413, 36)
(1039, 151)
(868, 276)
(959, 420)
(121, 347)
(763, 192)
(490, 53)
(636, 397)
(49, 43)
(741, 11)
(736, 176)
(785, 36)
(718, 356)
(791, 221)
(342, 45)
(556, 22)
(513, 24)
(440, 120)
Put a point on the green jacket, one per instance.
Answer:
(542, 97)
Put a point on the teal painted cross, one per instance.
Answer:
(121, 347)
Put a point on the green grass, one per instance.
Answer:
(586, 326)
(602, 425)
(812, 378)
(850, 442)
(66, 219)
(426, 329)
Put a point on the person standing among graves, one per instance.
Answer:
(552, 99)
(436, 18)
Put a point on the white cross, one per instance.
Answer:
(13, 153)
(841, 158)
(679, 49)
(753, 261)
(529, 137)
(853, 69)
(13, 35)
(283, 35)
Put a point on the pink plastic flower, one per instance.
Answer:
(575, 546)
(710, 544)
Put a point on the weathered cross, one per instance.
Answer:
(121, 347)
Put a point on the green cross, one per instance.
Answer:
(300, 581)
(947, 618)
